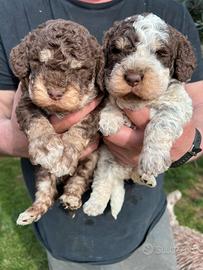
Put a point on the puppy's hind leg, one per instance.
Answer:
(44, 198)
(102, 185)
(109, 174)
(79, 182)
(117, 197)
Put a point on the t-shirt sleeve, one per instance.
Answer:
(189, 30)
(7, 79)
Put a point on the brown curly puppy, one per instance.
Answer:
(60, 66)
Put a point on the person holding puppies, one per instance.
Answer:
(85, 242)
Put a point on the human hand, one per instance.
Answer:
(18, 142)
(62, 125)
(18, 145)
(126, 145)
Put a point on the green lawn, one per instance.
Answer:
(189, 180)
(19, 249)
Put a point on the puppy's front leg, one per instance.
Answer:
(44, 198)
(75, 140)
(45, 146)
(111, 119)
(158, 138)
(168, 117)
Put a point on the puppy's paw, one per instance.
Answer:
(46, 150)
(144, 179)
(153, 163)
(116, 208)
(148, 180)
(70, 201)
(135, 176)
(110, 125)
(93, 208)
(27, 217)
(68, 163)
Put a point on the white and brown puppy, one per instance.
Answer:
(60, 66)
(147, 62)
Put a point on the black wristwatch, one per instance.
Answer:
(195, 149)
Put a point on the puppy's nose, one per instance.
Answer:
(55, 94)
(132, 78)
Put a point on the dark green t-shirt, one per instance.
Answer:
(98, 240)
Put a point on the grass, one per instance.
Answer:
(20, 250)
(189, 180)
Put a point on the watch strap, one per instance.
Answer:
(195, 149)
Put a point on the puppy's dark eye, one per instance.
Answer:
(115, 50)
(161, 53)
(129, 48)
(32, 75)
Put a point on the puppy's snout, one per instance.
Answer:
(55, 94)
(132, 78)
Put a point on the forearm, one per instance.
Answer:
(5, 137)
(195, 90)
(198, 123)
(12, 143)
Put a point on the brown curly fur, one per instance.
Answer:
(67, 42)
(60, 66)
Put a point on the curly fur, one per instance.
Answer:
(145, 65)
(60, 66)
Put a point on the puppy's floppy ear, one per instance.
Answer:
(108, 35)
(19, 58)
(185, 61)
(106, 39)
(99, 68)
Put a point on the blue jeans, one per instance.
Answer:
(157, 252)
